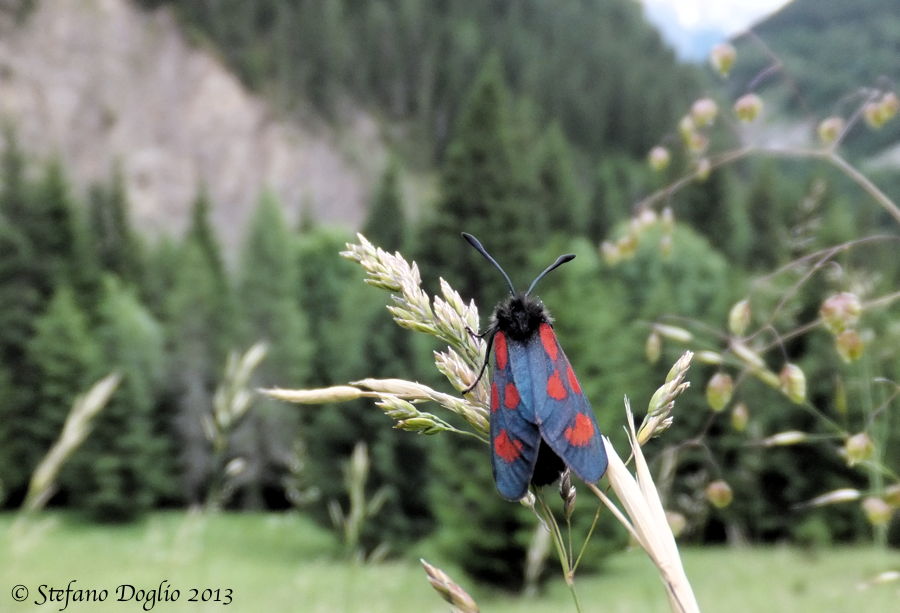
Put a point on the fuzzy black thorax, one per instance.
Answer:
(519, 316)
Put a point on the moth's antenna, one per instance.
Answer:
(559, 262)
(480, 249)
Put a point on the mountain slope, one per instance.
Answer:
(832, 50)
(99, 82)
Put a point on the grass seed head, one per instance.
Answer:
(722, 58)
(748, 107)
(849, 345)
(740, 416)
(830, 129)
(793, 383)
(704, 111)
(739, 317)
(659, 158)
(858, 448)
(877, 511)
(449, 589)
(840, 311)
(719, 391)
(653, 347)
(783, 439)
(719, 494)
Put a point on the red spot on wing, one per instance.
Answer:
(509, 449)
(510, 396)
(548, 339)
(555, 387)
(581, 431)
(495, 396)
(573, 382)
(500, 351)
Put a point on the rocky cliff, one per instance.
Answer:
(101, 82)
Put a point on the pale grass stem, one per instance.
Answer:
(645, 519)
(231, 403)
(76, 428)
(449, 589)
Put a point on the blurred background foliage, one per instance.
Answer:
(536, 118)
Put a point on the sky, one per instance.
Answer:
(692, 26)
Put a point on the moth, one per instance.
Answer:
(541, 421)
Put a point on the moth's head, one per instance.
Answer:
(519, 316)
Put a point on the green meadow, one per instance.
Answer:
(282, 562)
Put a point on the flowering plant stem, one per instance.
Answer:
(563, 546)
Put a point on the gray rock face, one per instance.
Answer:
(100, 82)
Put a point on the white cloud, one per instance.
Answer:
(730, 16)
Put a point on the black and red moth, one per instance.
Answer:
(541, 421)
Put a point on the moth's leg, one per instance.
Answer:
(487, 355)
(478, 335)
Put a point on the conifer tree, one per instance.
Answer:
(324, 280)
(381, 349)
(69, 239)
(63, 359)
(767, 220)
(201, 232)
(618, 184)
(221, 298)
(201, 318)
(12, 190)
(43, 215)
(163, 261)
(39, 251)
(8, 468)
(267, 290)
(194, 362)
(711, 208)
(483, 192)
(386, 222)
(119, 468)
(19, 295)
(268, 286)
(118, 249)
(560, 198)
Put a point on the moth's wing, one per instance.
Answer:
(515, 438)
(562, 412)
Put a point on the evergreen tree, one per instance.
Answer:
(386, 223)
(200, 313)
(221, 299)
(381, 349)
(163, 262)
(63, 359)
(324, 280)
(8, 467)
(39, 251)
(20, 298)
(13, 202)
(767, 220)
(194, 364)
(712, 208)
(618, 184)
(118, 249)
(43, 215)
(119, 468)
(69, 237)
(201, 232)
(267, 287)
(560, 198)
(482, 189)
